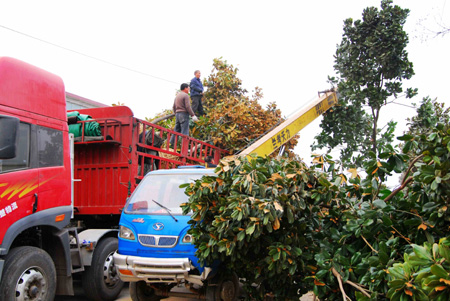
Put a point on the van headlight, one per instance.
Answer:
(187, 239)
(126, 233)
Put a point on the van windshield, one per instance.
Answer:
(157, 194)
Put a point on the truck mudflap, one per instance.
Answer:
(157, 270)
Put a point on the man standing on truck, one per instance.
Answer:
(197, 94)
(182, 110)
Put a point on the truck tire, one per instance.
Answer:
(28, 274)
(101, 280)
(140, 291)
(223, 288)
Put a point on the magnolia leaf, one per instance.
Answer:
(353, 171)
(421, 252)
(445, 281)
(275, 176)
(278, 206)
(318, 283)
(379, 203)
(439, 271)
(422, 227)
(276, 224)
(440, 288)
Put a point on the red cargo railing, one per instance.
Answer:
(185, 151)
(152, 144)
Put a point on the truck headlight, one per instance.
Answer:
(187, 239)
(126, 233)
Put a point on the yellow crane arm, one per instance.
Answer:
(291, 126)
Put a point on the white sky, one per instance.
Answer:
(284, 47)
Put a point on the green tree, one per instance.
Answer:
(429, 113)
(371, 62)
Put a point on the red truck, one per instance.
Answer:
(61, 197)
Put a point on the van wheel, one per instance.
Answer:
(101, 280)
(140, 291)
(29, 274)
(223, 288)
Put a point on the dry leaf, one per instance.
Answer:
(422, 226)
(278, 206)
(276, 224)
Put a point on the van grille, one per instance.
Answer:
(158, 241)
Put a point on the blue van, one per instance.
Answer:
(155, 253)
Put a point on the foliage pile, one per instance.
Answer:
(253, 217)
(289, 228)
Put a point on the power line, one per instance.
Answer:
(88, 56)
(401, 104)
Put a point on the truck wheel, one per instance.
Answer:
(140, 291)
(29, 274)
(101, 280)
(221, 287)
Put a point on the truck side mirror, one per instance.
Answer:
(9, 130)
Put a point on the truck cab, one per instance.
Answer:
(155, 251)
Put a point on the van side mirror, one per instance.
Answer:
(9, 130)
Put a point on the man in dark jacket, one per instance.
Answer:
(197, 94)
(182, 109)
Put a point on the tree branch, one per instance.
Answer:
(393, 193)
(341, 287)
(155, 121)
(405, 181)
(401, 235)
(369, 244)
(357, 286)
(411, 166)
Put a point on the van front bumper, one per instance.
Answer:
(156, 270)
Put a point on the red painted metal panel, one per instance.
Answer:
(104, 167)
(31, 89)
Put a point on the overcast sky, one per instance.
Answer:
(139, 52)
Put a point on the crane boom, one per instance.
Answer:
(291, 126)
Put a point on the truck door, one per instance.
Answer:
(54, 168)
(18, 182)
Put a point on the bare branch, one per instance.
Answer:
(402, 236)
(155, 121)
(393, 193)
(359, 288)
(405, 180)
(355, 285)
(411, 166)
(341, 287)
(369, 244)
